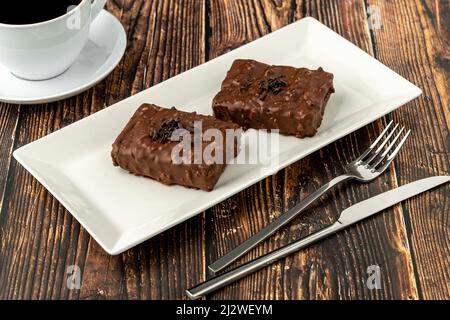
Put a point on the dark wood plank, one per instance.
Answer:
(418, 48)
(335, 268)
(9, 115)
(40, 239)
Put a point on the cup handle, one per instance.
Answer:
(96, 7)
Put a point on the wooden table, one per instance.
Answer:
(410, 242)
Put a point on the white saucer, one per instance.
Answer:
(104, 49)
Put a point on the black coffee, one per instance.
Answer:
(33, 11)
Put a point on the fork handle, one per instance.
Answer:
(270, 229)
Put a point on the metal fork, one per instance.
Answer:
(369, 165)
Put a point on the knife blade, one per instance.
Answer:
(349, 216)
(366, 208)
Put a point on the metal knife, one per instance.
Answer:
(349, 216)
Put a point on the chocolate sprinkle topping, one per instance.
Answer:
(164, 133)
(273, 84)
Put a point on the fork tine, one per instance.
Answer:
(381, 135)
(368, 150)
(389, 147)
(382, 145)
(394, 153)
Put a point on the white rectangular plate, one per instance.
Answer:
(121, 210)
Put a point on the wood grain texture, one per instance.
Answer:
(9, 115)
(419, 50)
(39, 239)
(336, 267)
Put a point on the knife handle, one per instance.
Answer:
(252, 266)
(270, 229)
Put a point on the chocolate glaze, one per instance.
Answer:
(256, 95)
(144, 147)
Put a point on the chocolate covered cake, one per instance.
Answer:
(145, 147)
(260, 96)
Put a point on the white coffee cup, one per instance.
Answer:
(46, 49)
